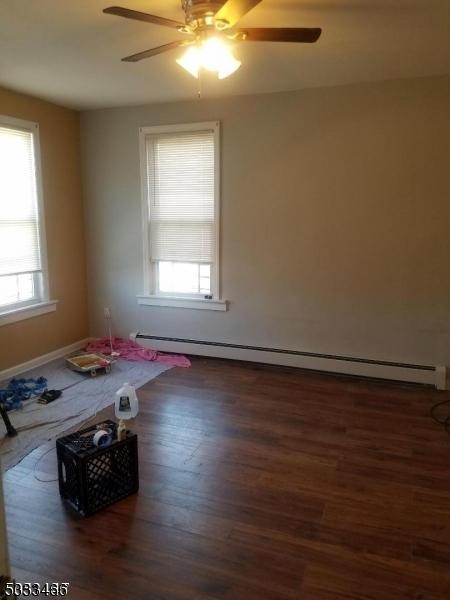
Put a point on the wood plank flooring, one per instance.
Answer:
(257, 483)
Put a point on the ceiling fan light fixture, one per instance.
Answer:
(228, 68)
(190, 61)
(211, 54)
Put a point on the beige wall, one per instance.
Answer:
(59, 138)
(335, 220)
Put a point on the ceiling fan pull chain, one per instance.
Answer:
(200, 79)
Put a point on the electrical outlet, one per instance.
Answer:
(107, 312)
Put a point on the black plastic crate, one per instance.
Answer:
(92, 478)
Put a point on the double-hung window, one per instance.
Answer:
(180, 178)
(23, 281)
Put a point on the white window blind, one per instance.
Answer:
(19, 217)
(180, 182)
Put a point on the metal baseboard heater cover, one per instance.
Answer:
(363, 367)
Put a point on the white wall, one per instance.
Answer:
(335, 220)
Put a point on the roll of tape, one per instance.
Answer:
(102, 438)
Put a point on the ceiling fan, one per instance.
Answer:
(210, 30)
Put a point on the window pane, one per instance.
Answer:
(16, 288)
(183, 278)
(19, 222)
(205, 279)
(181, 195)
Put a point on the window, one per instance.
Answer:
(22, 243)
(181, 210)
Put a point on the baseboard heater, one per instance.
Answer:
(363, 367)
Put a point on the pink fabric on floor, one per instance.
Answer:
(129, 350)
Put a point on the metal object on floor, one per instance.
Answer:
(89, 362)
(10, 430)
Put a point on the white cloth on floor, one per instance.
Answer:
(82, 398)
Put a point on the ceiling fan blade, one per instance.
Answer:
(283, 34)
(233, 10)
(140, 16)
(155, 51)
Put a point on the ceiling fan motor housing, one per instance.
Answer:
(200, 13)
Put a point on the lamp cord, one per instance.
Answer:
(445, 421)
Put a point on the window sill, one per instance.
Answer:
(27, 312)
(195, 303)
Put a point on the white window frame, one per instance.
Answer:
(149, 297)
(36, 306)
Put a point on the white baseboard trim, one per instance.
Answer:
(423, 374)
(41, 360)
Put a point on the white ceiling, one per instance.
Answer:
(69, 51)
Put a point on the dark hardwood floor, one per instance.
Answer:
(256, 483)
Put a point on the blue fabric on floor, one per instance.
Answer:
(19, 390)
